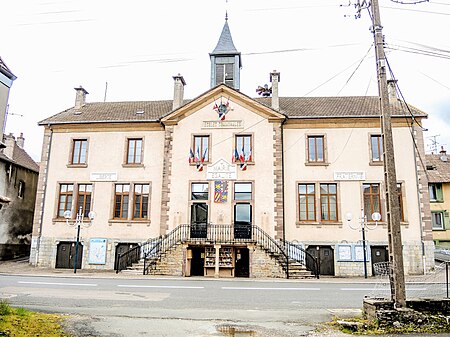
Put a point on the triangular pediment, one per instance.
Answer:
(218, 94)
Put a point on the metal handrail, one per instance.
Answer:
(152, 250)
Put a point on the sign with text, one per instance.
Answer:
(353, 176)
(103, 176)
(221, 170)
(225, 124)
(97, 251)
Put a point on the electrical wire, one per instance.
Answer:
(356, 69)
(413, 120)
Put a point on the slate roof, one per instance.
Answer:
(438, 171)
(292, 107)
(225, 44)
(5, 70)
(21, 158)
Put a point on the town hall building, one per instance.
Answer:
(226, 185)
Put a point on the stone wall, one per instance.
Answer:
(262, 265)
(171, 263)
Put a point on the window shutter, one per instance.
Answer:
(446, 220)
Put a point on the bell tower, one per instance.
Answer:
(226, 61)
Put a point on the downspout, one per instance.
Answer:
(418, 199)
(38, 245)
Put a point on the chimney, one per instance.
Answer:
(178, 91)
(443, 154)
(10, 141)
(20, 141)
(80, 98)
(392, 91)
(275, 78)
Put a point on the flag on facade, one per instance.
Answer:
(220, 191)
(235, 156)
(191, 156)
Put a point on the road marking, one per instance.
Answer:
(252, 288)
(384, 288)
(162, 287)
(60, 284)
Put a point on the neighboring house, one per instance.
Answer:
(438, 170)
(6, 80)
(18, 183)
(218, 183)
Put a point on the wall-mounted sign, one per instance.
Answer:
(354, 176)
(103, 176)
(223, 124)
(221, 170)
(97, 251)
(352, 252)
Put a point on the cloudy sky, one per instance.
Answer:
(137, 46)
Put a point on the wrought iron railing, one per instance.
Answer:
(151, 251)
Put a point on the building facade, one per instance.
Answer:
(438, 170)
(18, 182)
(225, 184)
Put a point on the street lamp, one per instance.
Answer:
(363, 226)
(79, 221)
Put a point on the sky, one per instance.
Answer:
(129, 51)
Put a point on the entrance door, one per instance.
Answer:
(65, 255)
(122, 248)
(198, 261)
(325, 258)
(378, 254)
(243, 221)
(199, 220)
(242, 263)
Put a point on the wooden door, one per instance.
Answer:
(65, 255)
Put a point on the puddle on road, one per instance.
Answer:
(236, 331)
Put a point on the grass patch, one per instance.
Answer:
(18, 322)
(361, 326)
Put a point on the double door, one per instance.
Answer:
(242, 219)
(65, 255)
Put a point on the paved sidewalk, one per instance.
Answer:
(22, 267)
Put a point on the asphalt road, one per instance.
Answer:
(186, 307)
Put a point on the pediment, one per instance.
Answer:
(222, 93)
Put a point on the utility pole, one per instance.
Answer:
(397, 275)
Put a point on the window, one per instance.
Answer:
(21, 189)
(435, 190)
(141, 196)
(437, 219)
(328, 202)
(79, 151)
(243, 191)
(243, 150)
(307, 202)
(316, 149)
(65, 199)
(377, 148)
(84, 198)
(121, 198)
(199, 191)
(134, 151)
(372, 201)
(201, 148)
(224, 74)
(400, 201)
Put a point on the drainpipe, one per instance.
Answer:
(38, 245)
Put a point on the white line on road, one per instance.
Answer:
(163, 287)
(60, 284)
(372, 289)
(252, 288)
